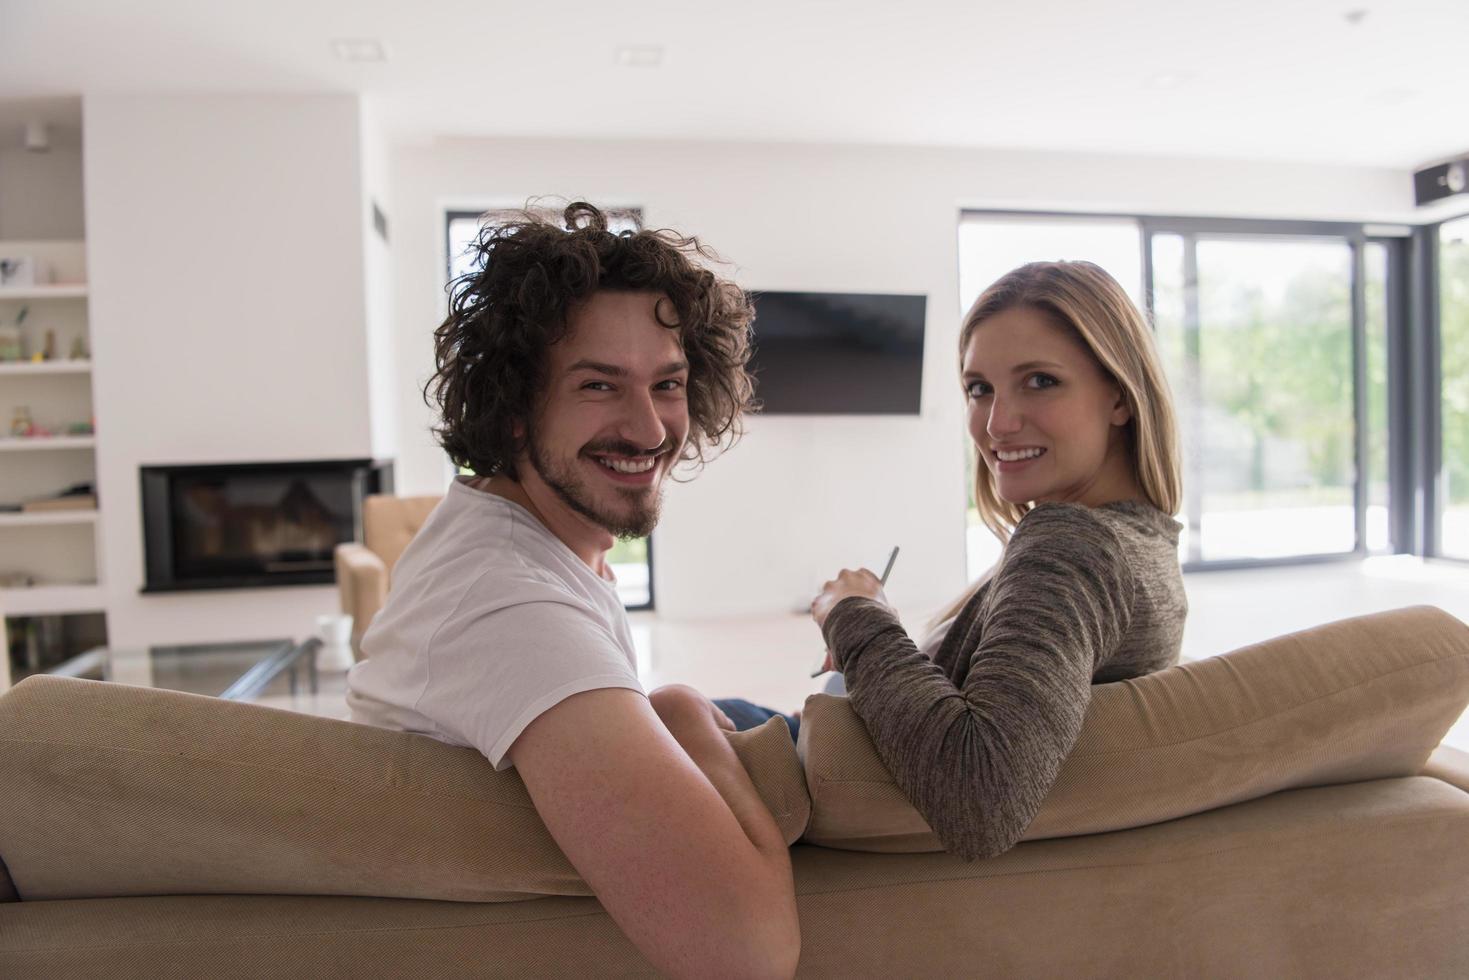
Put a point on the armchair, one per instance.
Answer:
(365, 570)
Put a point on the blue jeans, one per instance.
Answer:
(746, 715)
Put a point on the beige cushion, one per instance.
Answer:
(112, 790)
(389, 523)
(1363, 698)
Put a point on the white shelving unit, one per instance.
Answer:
(46, 518)
(23, 369)
(51, 600)
(59, 290)
(47, 443)
(60, 549)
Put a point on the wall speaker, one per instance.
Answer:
(1438, 182)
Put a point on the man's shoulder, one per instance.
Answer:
(483, 542)
(494, 579)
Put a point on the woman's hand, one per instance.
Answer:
(848, 583)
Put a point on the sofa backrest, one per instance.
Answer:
(112, 790)
(1364, 698)
(389, 523)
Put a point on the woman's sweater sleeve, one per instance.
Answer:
(978, 760)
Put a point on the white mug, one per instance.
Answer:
(335, 630)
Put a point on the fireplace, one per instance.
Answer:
(245, 525)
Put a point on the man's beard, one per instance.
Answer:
(643, 507)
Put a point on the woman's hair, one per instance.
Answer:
(491, 350)
(1082, 298)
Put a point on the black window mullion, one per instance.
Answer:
(1426, 408)
(1401, 427)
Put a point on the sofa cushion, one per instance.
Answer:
(1362, 698)
(113, 790)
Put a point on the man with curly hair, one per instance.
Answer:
(576, 369)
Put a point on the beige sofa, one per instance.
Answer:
(1263, 813)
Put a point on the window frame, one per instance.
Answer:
(1426, 320)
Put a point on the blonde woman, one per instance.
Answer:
(1072, 419)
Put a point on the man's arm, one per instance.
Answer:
(667, 829)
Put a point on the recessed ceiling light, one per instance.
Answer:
(359, 49)
(639, 55)
(1166, 81)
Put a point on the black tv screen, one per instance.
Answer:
(838, 353)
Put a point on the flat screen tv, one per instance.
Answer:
(838, 353)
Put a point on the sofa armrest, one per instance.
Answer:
(1450, 765)
(362, 580)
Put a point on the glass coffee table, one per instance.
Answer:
(235, 671)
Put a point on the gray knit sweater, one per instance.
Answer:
(976, 736)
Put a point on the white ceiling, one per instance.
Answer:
(1251, 79)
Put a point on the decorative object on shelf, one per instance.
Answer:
(79, 349)
(12, 340)
(48, 352)
(23, 426)
(21, 422)
(17, 270)
(79, 496)
(16, 580)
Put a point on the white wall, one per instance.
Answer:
(225, 249)
(41, 194)
(800, 497)
(382, 362)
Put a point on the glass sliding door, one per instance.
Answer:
(1453, 306)
(1256, 333)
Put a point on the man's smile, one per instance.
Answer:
(631, 471)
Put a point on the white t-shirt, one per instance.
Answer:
(491, 620)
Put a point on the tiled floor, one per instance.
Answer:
(769, 659)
